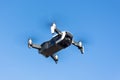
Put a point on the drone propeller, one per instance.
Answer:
(85, 39)
(46, 21)
(22, 39)
(34, 33)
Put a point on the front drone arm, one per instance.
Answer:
(79, 45)
(54, 29)
(36, 46)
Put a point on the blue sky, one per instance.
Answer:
(95, 22)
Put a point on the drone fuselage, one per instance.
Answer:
(61, 40)
(58, 42)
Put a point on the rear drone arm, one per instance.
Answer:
(79, 45)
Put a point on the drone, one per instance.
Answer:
(59, 41)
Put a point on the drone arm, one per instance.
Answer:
(74, 43)
(30, 44)
(54, 29)
(57, 31)
(79, 45)
(36, 46)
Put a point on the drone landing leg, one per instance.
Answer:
(55, 58)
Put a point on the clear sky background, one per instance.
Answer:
(95, 22)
